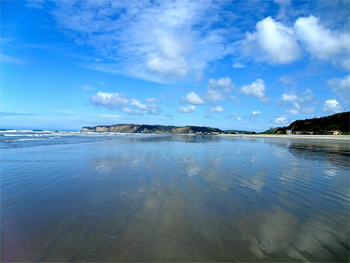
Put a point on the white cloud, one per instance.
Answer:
(256, 89)
(300, 104)
(275, 43)
(224, 84)
(272, 42)
(112, 101)
(332, 106)
(138, 104)
(287, 80)
(216, 109)
(341, 87)
(239, 119)
(280, 121)
(109, 116)
(167, 67)
(193, 98)
(188, 109)
(289, 97)
(218, 89)
(155, 40)
(256, 112)
(131, 111)
(324, 43)
(116, 101)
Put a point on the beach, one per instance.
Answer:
(285, 136)
(101, 197)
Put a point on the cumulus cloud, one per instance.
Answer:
(216, 109)
(289, 97)
(218, 89)
(332, 106)
(302, 103)
(256, 112)
(193, 98)
(322, 42)
(276, 43)
(188, 109)
(256, 89)
(280, 121)
(272, 42)
(341, 87)
(117, 101)
(112, 101)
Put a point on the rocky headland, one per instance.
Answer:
(137, 128)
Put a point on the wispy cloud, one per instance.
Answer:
(341, 87)
(9, 114)
(285, 7)
(159, 41)
(287, 80)
(87, 87)
(35, 3)
(11, 60)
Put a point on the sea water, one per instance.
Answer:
(94, 197)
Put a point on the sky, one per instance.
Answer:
(229, 64)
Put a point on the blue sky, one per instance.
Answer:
(245, 65)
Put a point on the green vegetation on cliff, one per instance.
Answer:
(339, 121)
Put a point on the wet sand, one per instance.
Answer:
(176, 198)
(284, 136)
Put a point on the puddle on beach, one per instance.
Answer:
(176, 199)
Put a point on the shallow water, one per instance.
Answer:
(174, 198)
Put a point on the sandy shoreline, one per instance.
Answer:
(284, 136)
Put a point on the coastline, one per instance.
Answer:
(284, 136)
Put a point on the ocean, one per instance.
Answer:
(109, 197)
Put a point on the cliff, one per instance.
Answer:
(136, 128)
(339, 121)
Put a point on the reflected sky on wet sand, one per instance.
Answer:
(177, 198)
